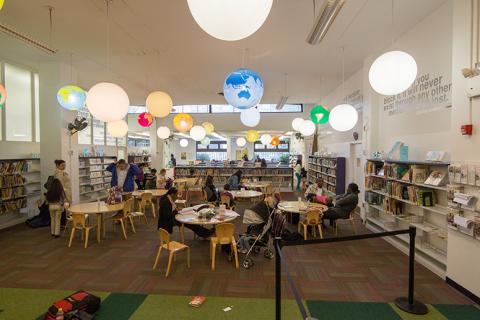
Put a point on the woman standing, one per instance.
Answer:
(64, 178)
(298, 173)
(56, 202)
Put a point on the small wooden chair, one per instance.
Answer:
(172, 247)
(124, 215)
(223, 235)
(314, 220)
(79, 221)
(227, 201)
(145, 201)
(351, 218)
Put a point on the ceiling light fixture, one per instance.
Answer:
(324, 20)
(283, 99)
(27, 39)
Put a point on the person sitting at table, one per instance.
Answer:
(167, 212)
(226, 192)
(210, 189)
(151, 180)
(235, 180)
(314, 189)
(162, 179)
(344, 204)
(123, 175)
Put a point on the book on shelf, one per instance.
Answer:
(464, 173)
(452, 189)
(419, 173)
(436, 178)
(457, 174)
(477, 175)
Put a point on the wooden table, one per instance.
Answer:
(246, 194)
(193, 218)
(185, 181)
(99, 209)
(260, 185)
(156, 193)
(299, 207)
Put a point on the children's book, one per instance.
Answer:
(436, 178)
(197, 301)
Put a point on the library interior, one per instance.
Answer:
(240, 159)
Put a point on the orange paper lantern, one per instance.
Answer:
(275, 141)
(183, 122)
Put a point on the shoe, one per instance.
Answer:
(56, 236)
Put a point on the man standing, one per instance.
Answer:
(123, 175)
(173, 161)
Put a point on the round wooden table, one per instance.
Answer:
(185, 181)
(299, 207)
(193, 218)
(246, 194)
(254, 185)
(156, 193)
(97, 208)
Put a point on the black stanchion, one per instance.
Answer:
(409, 304)
(278, 280)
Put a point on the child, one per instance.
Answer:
(56, 203)
(226, 192)
(151, 180)
(314, 189)
(162, 179)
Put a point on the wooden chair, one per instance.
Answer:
(223, 235)
(172, 247)
(227, 201)
(314, 220)
(79, 222)
(196, 196)
(123, 216)
(351, 218)
(145, 201)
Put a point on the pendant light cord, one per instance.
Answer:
(50, 18)
(314, 9)
(285, 83)
(343, 74)
(393, 22)
(107, 2)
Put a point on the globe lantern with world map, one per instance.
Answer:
(71, 97)
(243, 88)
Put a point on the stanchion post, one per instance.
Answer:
(409, 304)
(278, 281)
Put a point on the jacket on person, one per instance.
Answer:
(345, 204)
(233, 182)
(166, 214)
(129, 184)
(64, 178)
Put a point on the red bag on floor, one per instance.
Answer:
(74, 305)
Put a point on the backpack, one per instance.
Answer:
(80, 305)
(49, 182)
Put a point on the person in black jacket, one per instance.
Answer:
(344, 204)
(211, 190)
(167, 212)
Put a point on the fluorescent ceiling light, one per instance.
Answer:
(288, 133)
(26, 39)
(281, 103)
(324, 20)
(216, 135)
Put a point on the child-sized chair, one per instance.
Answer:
(79, 221)
(172, 247)
(223, 235)
(312, 219)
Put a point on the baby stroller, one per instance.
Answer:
(263, 223)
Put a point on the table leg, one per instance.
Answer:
(99, 224)
(103, 226)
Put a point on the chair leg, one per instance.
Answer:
(320, 232)
(353, 226)
(145, 217)
(83, 234)
(305, 232)
(123, 229)
(157, 258)
(72, 234)
(131, 223)
(66, 227)
(169, 264)
(98, 236)
(188, 257)
(153, 211)
(214, 247)
(87, 233)
(314, 232)
(234, 249)
(298, 227)
(182, 233)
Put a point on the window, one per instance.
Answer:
(98, 132)
(85, 136)
(138, 141)
(18, 108)
(271, 153)
(111, 141)
(194, 108)
(221, 108)
(122, 142)
(216, 150)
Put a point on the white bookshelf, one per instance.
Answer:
(93, 178)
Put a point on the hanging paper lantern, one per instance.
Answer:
(205, 141)
(250, 117)
(241, 142)
(308, 128)
(266, 139)
(243, 88)
(197, 133)
(183, 143)
(145, 119)
(159, 104)
(71, 97)
(183, 122)
(163, 132)
(209, 128)
(392, 73)
(252, 135)
(343, 117)
(1, 7)
(319, 115)
(3, 95)
(118, 128)
(275, 141)
(297, 124)
(107, 102)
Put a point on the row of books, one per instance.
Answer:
(325, 162)
(11, 181)
(374, 183)
(14, 167)
(12, 206)
(418, 174)
(230, 171)
(464, 173)
(420, 196)
(12, 193)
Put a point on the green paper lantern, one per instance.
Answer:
(319, 115)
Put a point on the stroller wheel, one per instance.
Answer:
(256, 250)
(268, 254)
(247, 263)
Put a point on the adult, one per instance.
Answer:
(173, 161)
(167, 212)
(263, 163)
(234, 180)
(140, 178)
(123, 175)
(314, 189)
(210, 189)
(56, 199)
(151, 180)
(344, 204)
(298, 173)
(162, 179)
(245, 157)
(64, 178)
(258, 159)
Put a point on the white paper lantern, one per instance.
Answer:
(250, 117)
(183, 143)
(230, 20)
(163, 132)
(159, 104)
(308, 128)
(241, 142)
(297, 124)
(118, 128)
(343, 117)
(392, 73)
(266, 139)
(197, 133)
(107, 102)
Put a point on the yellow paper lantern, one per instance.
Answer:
(183, 122)
(252, 135)
(275, 141)
(1, 4)
(159, 104)
(208, 127)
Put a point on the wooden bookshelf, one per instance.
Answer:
(331, 169)
(93, 178)
(395, 199)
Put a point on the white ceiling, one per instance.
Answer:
(156, 44)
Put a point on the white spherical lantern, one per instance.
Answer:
(241, 142)
(197, 133)
(343, 117)
(250, 117)
(392, 73)
(163, 132)
(107, 102)
(183, 143)
(117, 129)
(297, 124)
(205, 141)
(266, 139)
(308, 128)
(230, 20)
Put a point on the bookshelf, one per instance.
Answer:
(93, 178)
(399, 194)
(20, 188)
(281, 177)
(331, 169)
(145, 159)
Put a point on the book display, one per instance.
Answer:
(142, 159)
(94, 179)
(399, 194)
(332, 170)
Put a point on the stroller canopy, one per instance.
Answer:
(257, 214)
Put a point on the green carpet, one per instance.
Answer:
(459, 311)
(120, 306)
(351, 310)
